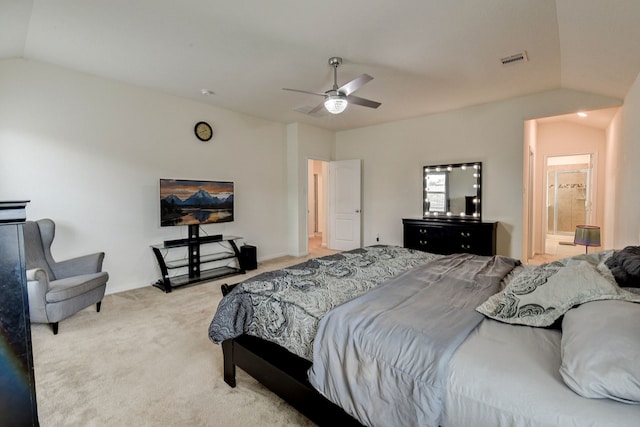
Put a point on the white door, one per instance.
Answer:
(344, 205)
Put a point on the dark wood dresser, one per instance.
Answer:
(450, 236)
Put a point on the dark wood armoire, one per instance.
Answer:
(17, 381)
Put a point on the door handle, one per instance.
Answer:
(357, 210)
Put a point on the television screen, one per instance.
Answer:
(186, 202)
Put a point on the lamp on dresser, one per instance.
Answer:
(587, 235)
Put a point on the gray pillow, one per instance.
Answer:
(540, 296)
(600, 350)
(625, 266)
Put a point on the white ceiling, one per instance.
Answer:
(426, 56)
(599, 119)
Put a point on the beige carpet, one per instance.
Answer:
(146, 360)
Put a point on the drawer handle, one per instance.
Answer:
(423, 242)
(465, 246)
(423, 231)
(467, 234)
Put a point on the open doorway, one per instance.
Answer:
(333, 206)
(564, 181)
(568, 183)
(317, 171)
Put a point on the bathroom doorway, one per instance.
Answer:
(569, 201)
(572, 147)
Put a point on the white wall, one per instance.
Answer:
(611, 184)
(627, 203)
(89, 152)
(304, 142)
(530, 185)
(394, 154)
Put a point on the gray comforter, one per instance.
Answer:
(285, 306)
(383, 356)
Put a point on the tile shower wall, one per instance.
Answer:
(567, 198)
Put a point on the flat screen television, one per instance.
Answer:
(190, 202)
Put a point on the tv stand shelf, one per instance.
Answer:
(184, 262)
(200, 267)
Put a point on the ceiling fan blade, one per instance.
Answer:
(304, 91)
(316, 110)
(364, 102)
(355, 84)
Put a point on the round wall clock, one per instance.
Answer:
(203, 131)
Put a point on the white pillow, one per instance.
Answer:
(540, 296)
(601, 350)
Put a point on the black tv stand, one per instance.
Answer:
(212, 238)
(202, 239)
(193, 261)
(175, 243)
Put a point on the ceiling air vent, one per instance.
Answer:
(518, 57)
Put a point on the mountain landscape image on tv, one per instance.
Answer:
(187, 202)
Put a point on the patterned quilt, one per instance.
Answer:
(285, 306)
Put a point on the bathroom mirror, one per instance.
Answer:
(452, 191)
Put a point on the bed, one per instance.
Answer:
(391, 336)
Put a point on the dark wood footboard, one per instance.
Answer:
(285, 374)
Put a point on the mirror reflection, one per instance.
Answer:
(452, 191)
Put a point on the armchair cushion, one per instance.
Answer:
(71, 287)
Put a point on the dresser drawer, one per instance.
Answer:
(448, 237)
(425, 238)
(474, 240)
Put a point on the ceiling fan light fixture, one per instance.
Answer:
(335, 104)
(337, 99)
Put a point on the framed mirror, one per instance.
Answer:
(452, 191)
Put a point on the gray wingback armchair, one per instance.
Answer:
(58, 290)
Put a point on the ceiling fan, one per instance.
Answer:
(337, 98)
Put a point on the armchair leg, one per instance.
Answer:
(98, 304)
(54, 326)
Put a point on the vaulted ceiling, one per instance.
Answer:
(426, 56)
